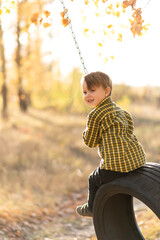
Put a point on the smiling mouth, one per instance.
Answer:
(90, 100)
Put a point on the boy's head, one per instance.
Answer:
(98, 79)
(96, 86)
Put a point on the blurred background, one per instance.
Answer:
(44, 165)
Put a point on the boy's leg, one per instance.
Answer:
(93, 184)
(96, 179)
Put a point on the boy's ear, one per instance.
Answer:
(107, 92)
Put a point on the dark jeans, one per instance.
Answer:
(96, 179)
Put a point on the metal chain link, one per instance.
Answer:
(146, 4)
(74, 38)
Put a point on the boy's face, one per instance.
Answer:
(95, 95)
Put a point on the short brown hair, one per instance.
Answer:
(98, 79)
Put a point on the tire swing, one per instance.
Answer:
(113, 213)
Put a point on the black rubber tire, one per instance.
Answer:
(113, 213)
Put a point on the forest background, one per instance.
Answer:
(44, 165)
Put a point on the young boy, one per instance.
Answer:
(111, 129)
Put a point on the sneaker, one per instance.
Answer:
(84, 211)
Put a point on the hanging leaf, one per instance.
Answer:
(119, 37)
(34, 18)
(118, 14)
(45, 25)
(65, 22)
(86, 2)
(109, 26)
(118, 4)
(13, 5)
(128, 3)
(106, 59)
(8, 11)
(47, 13)
(100, 44)
(96, 2)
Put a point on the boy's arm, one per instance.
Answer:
(92, 133)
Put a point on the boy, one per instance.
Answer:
(111, 129)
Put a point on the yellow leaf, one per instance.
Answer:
(119, 37)
(13, 5)
(8, 11)
(96, 3)
(97, 14)
(45, 25)
(86, 2)
(86, 30)
(1, 11)
(118, 4)
(109, 26)
(112, 57)
(100, 44)
(118, 14)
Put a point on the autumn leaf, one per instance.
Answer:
(109, 9)
(63, 13)
(8, 11)
(96, 2)
(65, 22)
(86, 2)
(112, 57)
(1, 11)
(119, 37)
(118, 4)
(47, 13)
(100, 44)
(41, 20)
(34, 18)
(109, 26)
(103, 1)
(86, 30)
(13, 5)
(118, 14)
(45, 25)
(128, 3)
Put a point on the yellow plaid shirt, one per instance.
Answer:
(111, 129)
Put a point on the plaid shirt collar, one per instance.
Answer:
(105, 101)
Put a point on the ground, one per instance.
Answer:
(44, 169)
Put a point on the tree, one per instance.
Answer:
(3, 72)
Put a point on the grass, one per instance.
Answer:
(43, 159)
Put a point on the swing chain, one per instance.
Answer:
(74, 38)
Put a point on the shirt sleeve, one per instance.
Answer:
(92, 133)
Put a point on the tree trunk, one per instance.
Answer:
(3, 71)
(22, 95)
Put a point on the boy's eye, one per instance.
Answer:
(92, 90)
(84, 92)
